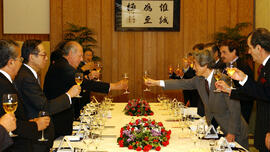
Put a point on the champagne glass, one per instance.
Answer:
(145, 77)
(98, 68)
(230, 71)
(125, 76)
(42, 114)
(170, 68)
(217, 76)
(78, 80)
(10, 104)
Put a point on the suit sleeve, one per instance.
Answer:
(185, 84)
(253, 89)
(35, 96)
(235, 115)
(5, 140)
(95, 86)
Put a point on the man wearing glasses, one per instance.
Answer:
(28, 85)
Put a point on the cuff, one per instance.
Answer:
(69, 98)
(162, 83)
(242, 83)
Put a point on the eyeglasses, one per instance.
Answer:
(20, 59)
(43, 55)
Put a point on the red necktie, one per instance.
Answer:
(260, 69)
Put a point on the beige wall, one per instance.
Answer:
(262, 15)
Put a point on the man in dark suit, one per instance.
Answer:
(61, 76)
(218, 106)
(27, 131)
(28, 85)
(259, 47)
(230, 56)
(7, 123)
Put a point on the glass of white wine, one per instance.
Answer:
(10, 104)
(145, 77)
(98, 69)
(217, 76)
(125, 76)
(43, 114)
(78, 80)
(230, 71)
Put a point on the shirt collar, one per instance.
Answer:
(234, 60)
(209, 78)
(6, 75)
(32, 70)
(217, 60)
(265, 60)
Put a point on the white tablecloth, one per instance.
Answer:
(119, 119)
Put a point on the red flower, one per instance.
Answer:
(169, 132)
(146, 124)
(130, 147)
(163, 130)
(146, 148)
(144, 119)
(128, 127)
(132, 129)
(138, 148)
(139, 110)
(164, 143)
(146, 138)
(168, 137)
(133, 109)
(121, 143)
(130, 114)
(146, 109)
(137, 115)
(145, 114)
(122, 129)
(158, 148)
(138, 106)
(155, 140)
(160, 124)
(151, 113)
(150, 146)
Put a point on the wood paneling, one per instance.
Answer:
(135, 52)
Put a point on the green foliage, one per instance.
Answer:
(82, 35)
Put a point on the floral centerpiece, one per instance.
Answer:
(144, 134)
(138, 107)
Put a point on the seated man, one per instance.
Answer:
(218, 106)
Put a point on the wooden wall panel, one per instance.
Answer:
(134, 52)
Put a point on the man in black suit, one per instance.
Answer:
(230, 56)
(61, 76)
(259, 48)
(27, 131)
(7, 123)
(28, 85)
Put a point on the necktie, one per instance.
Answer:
(260, 69)
(206, 86)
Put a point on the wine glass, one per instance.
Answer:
(145, 77)
(98, 68)
(217, 76)
(170, 68)
(125, 76)
(78, 80)
(10, 104)
(230, 71)
(42, 114)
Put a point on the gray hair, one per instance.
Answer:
(70, 46)
(205, 57)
